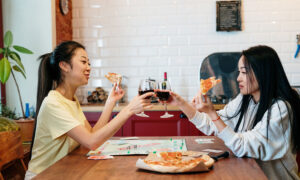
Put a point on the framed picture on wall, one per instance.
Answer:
(229, 16)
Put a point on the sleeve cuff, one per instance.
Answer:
(197, 119)
(203, 123)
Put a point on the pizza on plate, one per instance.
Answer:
(176, 162)
(207, 84)
(114, 78)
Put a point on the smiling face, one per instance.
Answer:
(79, 72)
(247, 80)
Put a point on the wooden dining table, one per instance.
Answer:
(76, 165)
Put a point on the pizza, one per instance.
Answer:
(114, 78)
(207, 84)
(176, 162)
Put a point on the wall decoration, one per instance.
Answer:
(64, 6)
(63, 21)
(229, 16)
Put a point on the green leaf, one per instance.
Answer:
(8, 39)
(22, 49)
(10, 51)
(18, 69)
(4, 70)
(16, 58)
(1, 50)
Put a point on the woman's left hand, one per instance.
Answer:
(203, 105)
(116, 93)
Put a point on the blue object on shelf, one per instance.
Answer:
(27, 112)
(297, 51)
(32, 112)
(298, 45)
(89, 93)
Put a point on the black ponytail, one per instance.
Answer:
(45, 80)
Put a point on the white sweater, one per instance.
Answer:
(274, 154)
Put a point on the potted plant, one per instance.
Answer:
(10, 64)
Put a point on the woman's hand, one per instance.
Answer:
(175, 99)
(185, 107)
(140, 103)
(203, 105)
(116, 93)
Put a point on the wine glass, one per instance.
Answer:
(163, 94)
(145, 86)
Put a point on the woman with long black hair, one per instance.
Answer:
(61, 125)
(262, 122)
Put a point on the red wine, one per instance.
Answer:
(162, 95)
(146, 91)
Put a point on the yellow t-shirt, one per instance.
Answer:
(57, 116)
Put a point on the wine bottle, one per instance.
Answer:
(164, 83)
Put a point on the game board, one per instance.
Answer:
(130, 147)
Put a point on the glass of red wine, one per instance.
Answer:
(163, 95)
(145, 86)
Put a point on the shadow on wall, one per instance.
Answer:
(223, 66)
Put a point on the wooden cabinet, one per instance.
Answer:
(178, 125)
(156, 126)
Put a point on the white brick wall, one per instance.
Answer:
(144, 38)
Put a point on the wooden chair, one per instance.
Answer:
(11, 149)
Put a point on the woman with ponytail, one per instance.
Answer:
(262, 122)
(61, 125)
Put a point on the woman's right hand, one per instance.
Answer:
(175, 99)
(116, 93)
(140, 103)
(203, 105)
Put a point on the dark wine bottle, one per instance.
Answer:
(164, 83)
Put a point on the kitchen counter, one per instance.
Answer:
(119, 107)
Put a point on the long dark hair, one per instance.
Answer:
(265, 64)
(49, 74)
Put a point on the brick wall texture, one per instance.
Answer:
(144, 38)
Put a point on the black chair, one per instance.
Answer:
(224, 66)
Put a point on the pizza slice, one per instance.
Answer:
(207, 84)
(176, 162)
(114, 78)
